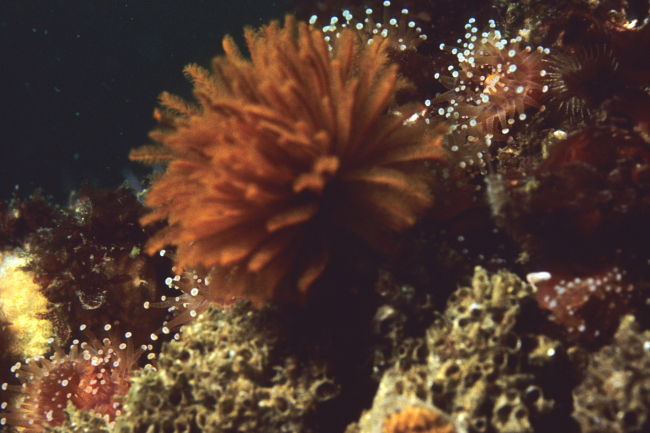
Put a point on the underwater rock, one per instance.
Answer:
(581, 217)
(88, 265)
(20, 218)
(479, 370)
(613, 397)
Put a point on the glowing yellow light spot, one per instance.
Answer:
(20, 305)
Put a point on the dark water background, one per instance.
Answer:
(79, 80)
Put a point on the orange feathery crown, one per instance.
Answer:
(277, 150)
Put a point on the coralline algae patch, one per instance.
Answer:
(586, 307)
(21, 303)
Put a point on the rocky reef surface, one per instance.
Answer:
(391, 218)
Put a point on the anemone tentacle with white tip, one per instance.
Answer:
(195, 298)
(402, 33)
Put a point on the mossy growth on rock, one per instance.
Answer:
(615, 393)
(480, 371)
(82, 421)
(231, 371)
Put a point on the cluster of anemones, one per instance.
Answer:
(91, 377)
(281, 152)
(402, 34)
(490, 88)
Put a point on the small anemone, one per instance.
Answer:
(401, 33)
(90, 376)
(197, 295)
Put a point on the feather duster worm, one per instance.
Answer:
(581, 80)
(278, 150)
